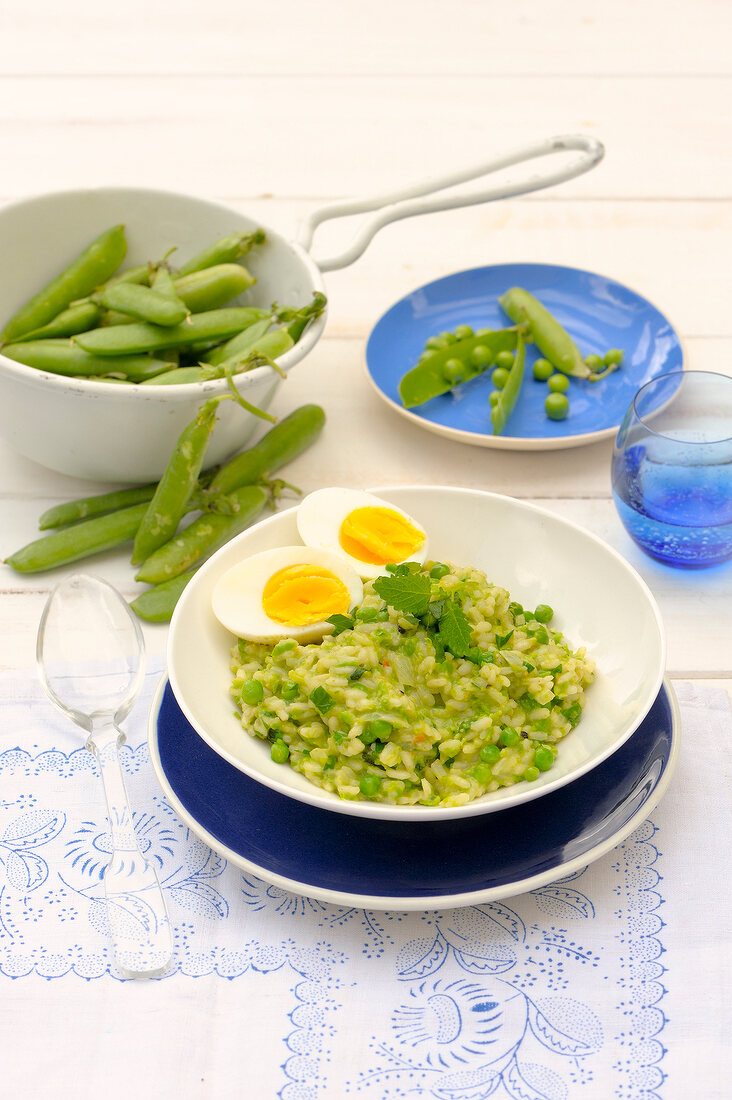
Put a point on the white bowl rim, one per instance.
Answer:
(513, 795)
(173, 392)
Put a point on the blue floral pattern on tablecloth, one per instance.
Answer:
(533, 998)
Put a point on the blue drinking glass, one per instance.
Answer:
(672, 469)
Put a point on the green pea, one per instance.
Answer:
(509, 737)
(168, 505)
(489, 754)
(369, 784)
(505, 359)
(613, 357)
(279, 752)
(482, 774)
(77, 318)
(439, 570)
(206, 533)
(448, 337)
(594, 362)
(463, 332)
(435, 343)
(224, 251)
(494, 397)
(543, 613)
(500, 377)
(378, 729)
(531, 774)
(558, 383)
(157, 604)
(543, 758)
(252, 692)
(366, 614)
(284, 646)
(86, 507)
(289, 690)
(212, 287)
(280, 445)
(556, 406)
(91, 268)
(144, 304)
(213, 324)
(79, 540)
(542, 635)
(453, 371)
(481, 356)
(542, 370)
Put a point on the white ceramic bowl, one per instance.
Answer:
(126, 433)
(598, 599)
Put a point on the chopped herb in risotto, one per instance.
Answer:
(434, 690)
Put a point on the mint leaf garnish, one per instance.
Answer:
(340, 623)
(321, 699)
(408, 592)
(454, 629)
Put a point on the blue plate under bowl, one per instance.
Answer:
(598, 312)
(382, 864)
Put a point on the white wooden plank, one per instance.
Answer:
(412, 36)
(321, 135)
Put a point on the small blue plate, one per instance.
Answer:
(382, 864)
(598, 312)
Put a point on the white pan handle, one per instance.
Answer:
(400, 204)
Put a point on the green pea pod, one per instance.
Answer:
(168, 505)
(506, 403)
(63, 357)
(550, 337)
(79, 317)
(80, 540)
(85, 507)
(215, 324)
(241, 344)
(213, 287)
(224, 251)
(204, 535)
(95, 264)
(144, 304)
(280, 445)
(157, 604)
(179, 376)
(430, 378)
(139, 275)
(162, 282)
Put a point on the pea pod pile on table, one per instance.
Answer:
(152, 324)
(450, 359)
(227, 500)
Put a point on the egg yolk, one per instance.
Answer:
(379, 535)
(299, 595)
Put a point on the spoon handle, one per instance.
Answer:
(138, 920)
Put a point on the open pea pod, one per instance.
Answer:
(509, 394)
(436, 375)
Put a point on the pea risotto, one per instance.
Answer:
(434, 690)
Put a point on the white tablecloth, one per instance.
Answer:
(599, 986)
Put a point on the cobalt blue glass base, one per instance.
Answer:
(338, 858)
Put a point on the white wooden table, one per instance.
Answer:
(280, 109)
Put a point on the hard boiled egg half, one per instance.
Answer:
(286, 593)
(367, 531)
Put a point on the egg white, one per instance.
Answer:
(322, 512)
(236, 599)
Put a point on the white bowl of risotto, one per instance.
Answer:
(516, 653)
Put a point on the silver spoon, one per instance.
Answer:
(90, 654)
